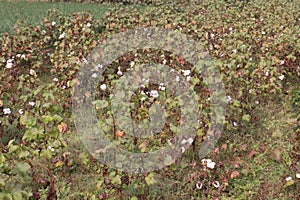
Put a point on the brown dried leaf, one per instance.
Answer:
(234, 174)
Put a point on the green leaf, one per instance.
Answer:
(57, 118)
(6, 196)
(2, 182)
(174, 129)
(236, 103)
(57, 109)
(100, 104)
(28, 121)
(168, 160)
(47, 153)
(246, 118)
(23, 167)
(13, 148)
(46, 105)
(46, 119)
(48, 94)
(17, 195)
(24, 154)
(32, 134)
(84, 157)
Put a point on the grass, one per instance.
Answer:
(262, 174)
(34, 12)
(263, 158)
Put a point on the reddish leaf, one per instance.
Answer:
(236, 165)
(217, 150)
(253, 153)
(119, 133)
(224, 146)
(243, 147)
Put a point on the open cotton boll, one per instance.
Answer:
(281, 77)
(211, 165)
(103, 87)
(154, 93)
(9, 64)
(6, 111)
(186, 72)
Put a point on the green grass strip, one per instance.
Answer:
(34, 12)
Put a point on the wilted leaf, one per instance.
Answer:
(253, 153)
(62, 127)
(143, 146)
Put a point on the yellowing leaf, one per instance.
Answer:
(59, 164)
(2, 158)
(84, 157)
(289, 183)
(116, 180)
(100, 183)
(150, 179)
(200, 132)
